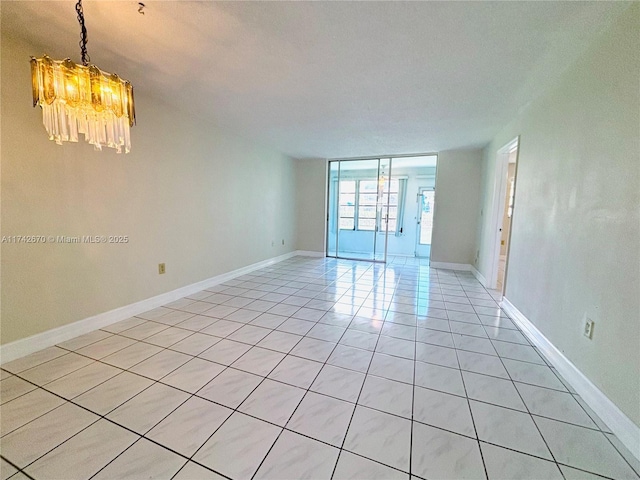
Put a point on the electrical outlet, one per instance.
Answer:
(588, 329)
(161, 268)
(273, 243)
(283, 241)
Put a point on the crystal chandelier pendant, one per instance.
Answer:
(83, 99)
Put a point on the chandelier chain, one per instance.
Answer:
(83, 34)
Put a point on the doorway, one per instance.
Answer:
(371, 214)
(504, 195)
(359, 208)
(424, 230)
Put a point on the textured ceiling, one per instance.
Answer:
(331, 79)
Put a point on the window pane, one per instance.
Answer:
(366, 224)
(366, 212)
(393, 199)
(346, 224)
(368, 186)
(392, 225)
(346, 211)
(391, 186)
(368, 199)
(347, 199)
(393, 211)
(347, 186)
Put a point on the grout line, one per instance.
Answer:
(366, 304)
(528, 411)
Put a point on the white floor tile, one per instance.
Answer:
(249, 334)
(146, 409)
(584, 449)
(259, 361)
(230, 387)
(554, 404)
(516, 351)
(24, 409)
(533, 374)
(85, 454)
(397, 347)
(193, 375)
(503, 464)
(313, 349)
(113, 393)
(78, 382)
(380, 436)
(280, 341)
(393, 368)
(387, 395)
(296, 371)
(192, 471)
(355, 467)
(189, 426)
(339, 383)
(296, 457)
(225, 352)
(244, 439)
(493, 390)
(356, 338)
(31, 441)
(443, 410)
(326, 334)
(6, 469)
(130, 356)
(444, 455)
(436, 377)
(168, 337)
(56, 368)
(14, 387)
(351, 358)
(483, 364)
(106, 347)
(143, 459)
(323, 418)
(273, 401)
(160, 364)
(508, 428)
(436, 354)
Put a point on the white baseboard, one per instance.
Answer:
(465, 267)
(25, 346)
(479, 276)
(621, 425)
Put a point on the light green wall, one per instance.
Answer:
(311, 181)
(575, 241)
(197, 198)
(457, 196)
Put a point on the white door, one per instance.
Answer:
(426, 205)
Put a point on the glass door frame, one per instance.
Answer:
(419, 221)
(380, 207)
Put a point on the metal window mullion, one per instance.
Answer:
(356, 212)
(338, 213)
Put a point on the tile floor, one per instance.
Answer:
(310, 368)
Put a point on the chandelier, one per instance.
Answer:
(83, 99)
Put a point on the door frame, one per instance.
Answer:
(379, 158)
(499, 201)
(419, 221)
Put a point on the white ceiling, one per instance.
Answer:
(330, 79)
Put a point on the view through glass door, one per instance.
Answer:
(358, 210)
(426, 203)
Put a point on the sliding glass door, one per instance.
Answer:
(358, 218)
